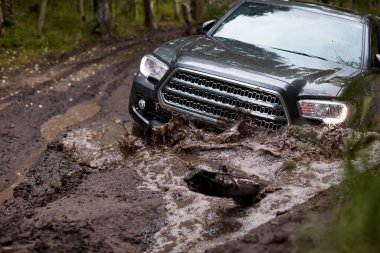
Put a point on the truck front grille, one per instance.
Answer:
(213, 99)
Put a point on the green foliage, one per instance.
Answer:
(64, 31)
(216, 11)
(365, 6)
(356, 226)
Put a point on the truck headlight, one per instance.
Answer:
(327, 111)
(152, 67)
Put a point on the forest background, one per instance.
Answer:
(36, 28)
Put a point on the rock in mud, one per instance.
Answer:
(244, 190)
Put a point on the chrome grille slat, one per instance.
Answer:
(225, 94)
(214, 98)
(238, 104)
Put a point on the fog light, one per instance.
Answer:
(141, 104)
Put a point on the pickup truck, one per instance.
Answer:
(277, 62)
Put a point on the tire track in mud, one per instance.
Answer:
(42, 74)
(21, 125)
(64, 207)
(24, 113)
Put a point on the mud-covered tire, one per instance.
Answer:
(245, 201)
(137, 130)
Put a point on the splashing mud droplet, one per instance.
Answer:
(96, 149)
(75, 114)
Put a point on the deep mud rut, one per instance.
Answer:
(81, 183)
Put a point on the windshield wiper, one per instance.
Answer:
(300, 53)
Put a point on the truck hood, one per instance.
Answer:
(300, 74)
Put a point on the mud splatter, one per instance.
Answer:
(87, 148)
(299, 161)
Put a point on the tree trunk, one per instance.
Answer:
(176, 9)
(41, 19)
(102, 14)
(81, 11)
(136, 10)
(149, 15)
(7, 12)
(2, 27)
(187, 18)
(197, 11)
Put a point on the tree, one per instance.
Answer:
(7, 12)
(197, 11)
(2, 26)
(150, 21)
(41, 19)
(102, 15)
(187, 18)
(176, 4)
(81, 11)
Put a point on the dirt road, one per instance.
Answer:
(81, 183)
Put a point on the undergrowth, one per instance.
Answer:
(356, 209)
(64, 31)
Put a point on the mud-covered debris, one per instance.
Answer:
(129, 144)
(242, 189)
(177, 129)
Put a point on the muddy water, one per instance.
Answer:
(5, 105)
(75, 114)
(287, 160)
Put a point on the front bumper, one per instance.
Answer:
(153, 114)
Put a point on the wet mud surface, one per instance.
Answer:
(82, 183)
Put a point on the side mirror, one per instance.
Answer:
(376, 62)
(207, 25)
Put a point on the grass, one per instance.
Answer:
(64, 31)
(356, 208)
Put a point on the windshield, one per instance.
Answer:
(297, 31)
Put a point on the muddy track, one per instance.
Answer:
(32, 117)
(91, 212)
(21, 120)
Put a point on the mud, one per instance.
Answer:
(64, 208)
(297, 162)
(59, 205)
(83, 183)
(285, 232)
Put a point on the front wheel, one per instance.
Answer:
(137, 130)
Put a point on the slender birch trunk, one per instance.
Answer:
(41, 19)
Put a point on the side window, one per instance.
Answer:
(375, 44)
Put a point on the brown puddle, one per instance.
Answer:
(5, 105)
(75, 114)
